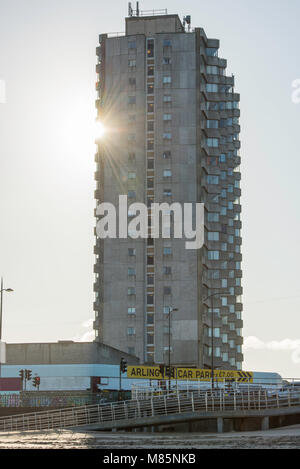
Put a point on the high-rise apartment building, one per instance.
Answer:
(172, 120)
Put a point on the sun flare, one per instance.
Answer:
(99, 130)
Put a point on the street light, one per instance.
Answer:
(1, 304)
(225, 293)
(171, 310)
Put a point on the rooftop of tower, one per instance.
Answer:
(153, 24)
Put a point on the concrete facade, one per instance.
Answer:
(65, 352)
(172, 119)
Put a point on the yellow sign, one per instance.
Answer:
(188, 374)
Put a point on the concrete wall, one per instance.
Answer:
(64, 353)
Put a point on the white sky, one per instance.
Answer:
(47, 61)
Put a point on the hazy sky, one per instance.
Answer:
(47, 60)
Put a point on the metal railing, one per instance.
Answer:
(129, 411)
(37, 399)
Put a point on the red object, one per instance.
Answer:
(10, 384)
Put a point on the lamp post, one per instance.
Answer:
(171, 310)
(1, 305)
(225, 293)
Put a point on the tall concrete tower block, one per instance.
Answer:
(171, 116)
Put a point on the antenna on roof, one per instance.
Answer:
(137, 9)
(187, 20)
(130, 10)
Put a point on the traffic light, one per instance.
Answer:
(28, 375)
(123, 365)
(170, 372)
(21, 374)
(36, 381)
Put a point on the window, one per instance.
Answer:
(150, 71)
(211, 52)
(150, 299)
(167, 173)
(224, 301)
(150, 107)
(131, 45)
(167, 250)
(131, 271)
(167, 309)
(150, 89)
(212, 142)
(167, 43)
(150, 144)
(132, 81)
(131, 252)
(167, 99)
(224, 282)
(150, 241)
(150, 319)
(166, 61)
(167, 290)
(150, 164)
(131, 63)
(131, 194)
(131, 99)
(150, 183)
(131, 291)
(150, 126)
(213, 274)
(212, 106)
(167, 270)
(166, 155)
(212, 124)
(131, 157)
(211, 88)
(225, 338)
(150, 279)
(131, 350)
(167, 117)
(213, 236)
(150, 339)
(167, 79)
(132, 175)
(131, 331)
(212, 70)
(232, 361)
(131, 311)
(216, 332)
(212, 217)
(212, 179)
(213, 255)
(167, 192)
(225, 357)
(167, 135)
(150, 260)
(150, 48)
